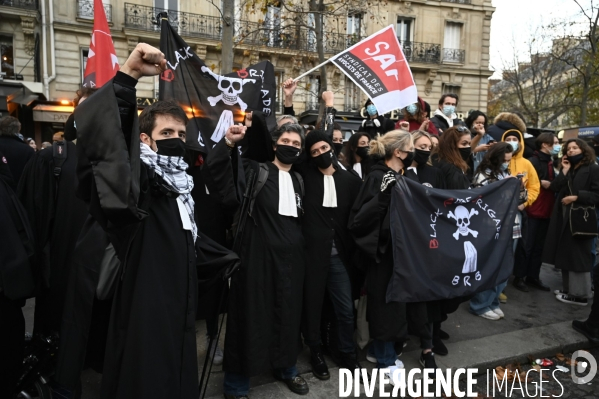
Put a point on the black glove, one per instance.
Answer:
(388, 182)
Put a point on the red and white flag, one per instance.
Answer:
(102, 63)
(378, 66)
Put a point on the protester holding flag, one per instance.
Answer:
(265, 305)
(356, 154)
(369, 225)
(494, 167)
(138, 191)
(571, 234)
(453, 158)
(330, 194)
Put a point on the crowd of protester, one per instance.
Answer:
(297, 249)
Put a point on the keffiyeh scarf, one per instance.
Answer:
(173, 171)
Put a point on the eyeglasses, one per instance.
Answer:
(462, 129)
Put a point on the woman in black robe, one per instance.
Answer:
(329, 245)
(369, 224)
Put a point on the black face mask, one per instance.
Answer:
(287, 154)
(575, 159)
(421, 157)
(323, 161)
(362, 152)
(338, 147)
(171, 147)
(465, 153)
(407, 161)
(70, 132)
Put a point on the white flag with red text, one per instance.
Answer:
(378, 66)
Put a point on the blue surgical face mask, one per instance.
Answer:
(448, 110)
(371, 109)
(514, 145)
(504, 166)
(412, 109)
(556, 149)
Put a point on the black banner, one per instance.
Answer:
(450, 243)
(211, 101)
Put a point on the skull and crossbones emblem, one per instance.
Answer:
(230, 89)
(462, 218)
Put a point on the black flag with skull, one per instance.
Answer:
(211, 101)
(450, 243)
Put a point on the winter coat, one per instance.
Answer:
(505, 121)
(543, 206)
(453, 177)
(521, 165)
(369, 226)
(441, 122)
(561, 248)
(17, 155)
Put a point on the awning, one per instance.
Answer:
(52, 113)
(14, 92)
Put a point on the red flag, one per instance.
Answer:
(102, 63)
(378, 66)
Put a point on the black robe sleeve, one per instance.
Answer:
(258, 140)
(108, 139)
(5, 173)
(589, 195)
(364, 218)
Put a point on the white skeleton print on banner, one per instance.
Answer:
(462, 218)
(230, 89)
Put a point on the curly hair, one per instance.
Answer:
(494, 158)
(448, 151)
(588, 152)
(351, 145)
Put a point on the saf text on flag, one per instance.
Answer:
(102, 62)
(211, 101)
(450, 243)
(378, 66)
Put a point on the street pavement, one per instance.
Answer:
(535, 325)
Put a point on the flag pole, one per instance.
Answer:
(312, 70)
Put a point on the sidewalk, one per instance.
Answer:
(535, 324)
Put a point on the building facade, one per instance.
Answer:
(446, 43)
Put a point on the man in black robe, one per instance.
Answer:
(330, 194)
(16, 151)
(16, 281)
(140, 194)
(48, 191)
(265, 306)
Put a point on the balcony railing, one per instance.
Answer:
(27, 4)
(187, 24)
(454, 55)
(428, 53)
(85, 10)
(246, 32)
(290, 38)
(459, 1)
